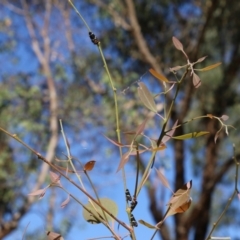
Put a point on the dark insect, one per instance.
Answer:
(128, 195)
(133, 221)
(133, 204)
(93, 38)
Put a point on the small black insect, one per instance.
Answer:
(133, 204)
(128, 195)
(93, 38)
(133, 221)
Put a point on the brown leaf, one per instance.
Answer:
(209, 67)
(54, 236)
(158, 75)
(89, 165)
(179, 198)
(196, 80)
(64, 203)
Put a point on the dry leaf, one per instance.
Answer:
(196, 80)
(89, 165)
(158, 75)
(55, 178)
(39, 192)
(209, 67)
(170, 133)
(54, 236)
(64, 203)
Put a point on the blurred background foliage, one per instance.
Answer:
(45, 49)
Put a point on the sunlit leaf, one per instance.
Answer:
(146, 97)
(190, 135)
(196, 80)
(107, 203)
(158, 75)
(89, 165)
(163, 179)
(124, 160)
(54, 236)
(209, 67)
(147, 224)
(160, 148)
(65, 203)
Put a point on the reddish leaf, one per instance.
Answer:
(124, 160)
(224, 117)
(158, 75)
(114, 142)
(54, 236)
(64, 203)
(39, 192)
(176, 68)
(170, 133)
(55, 178)
(196, 80)
(89, 165)
(163, 179)
(200, 59)
(141, 127)
(178, 45)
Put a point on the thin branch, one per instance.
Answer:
(139, 39)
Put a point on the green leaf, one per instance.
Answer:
(190, 135)
(146, 97)
(107, 203)
(147, 224)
